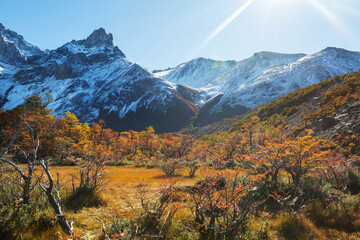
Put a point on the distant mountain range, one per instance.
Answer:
(230, 88)
(93, 79)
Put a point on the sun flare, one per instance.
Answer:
(227, 21)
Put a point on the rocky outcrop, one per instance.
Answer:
(14, 49)
(9, 51)
(99, 38)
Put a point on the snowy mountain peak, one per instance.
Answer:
(93, 79)
(197, 73)
(14, 49)
(98, 38)
(336, 52)
(256, 80)
(99, 45)
(265, 55)
(334, 49)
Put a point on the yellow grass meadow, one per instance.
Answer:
(119, 190)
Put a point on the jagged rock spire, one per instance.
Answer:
(99, 37)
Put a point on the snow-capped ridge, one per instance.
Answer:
(93, 79)
(272, 55)
(14, 49)
(97, 42)
(260, 78)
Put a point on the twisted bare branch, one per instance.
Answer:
(103, 228)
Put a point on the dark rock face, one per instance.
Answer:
(207, 116)
(14, 49)
(176, 117)
(9, 51)
(65, 71)
(98, 38)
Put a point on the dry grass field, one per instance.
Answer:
(120, 194)
(119, 191)
(121, 181)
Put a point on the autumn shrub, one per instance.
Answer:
(346, 177)
(152, 212)
(171, 167)
(288, 111)
(265, 190)
(222, 205)
(309, 190)
(117, 162)
(312, 189)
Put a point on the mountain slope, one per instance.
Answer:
(330, 108)
(198, 73)
(93, 79)
(263, 77)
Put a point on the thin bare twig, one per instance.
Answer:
(103, 228)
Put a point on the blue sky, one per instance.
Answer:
(162, 33)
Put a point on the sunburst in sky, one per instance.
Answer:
(266, 9)
(227, 21)
(285, 5)
(158, 33)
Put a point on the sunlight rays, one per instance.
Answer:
(226, 22)
(332, 18)
(273, 21)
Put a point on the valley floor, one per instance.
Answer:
(120, 191)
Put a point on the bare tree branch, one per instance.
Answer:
(14, 166)
(103, 228)
(65, 225)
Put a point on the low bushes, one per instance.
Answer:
(294, 227)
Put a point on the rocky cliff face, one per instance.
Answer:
(93, 79)
(14, 49)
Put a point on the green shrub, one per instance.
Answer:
(295, 228)
(121, 226)
(333, 215)
(84, 196)
(353, 183)
(21, 221)
(261, 232)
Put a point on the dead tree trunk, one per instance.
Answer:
(65, 225)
